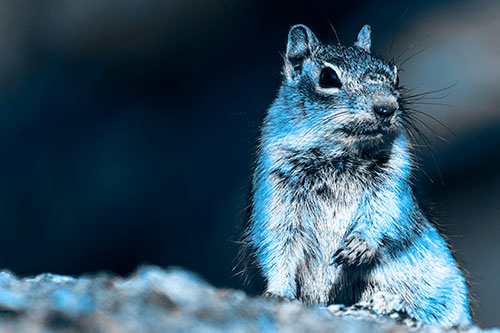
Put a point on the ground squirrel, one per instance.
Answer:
(334, 218)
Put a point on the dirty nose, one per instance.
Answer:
(384, 110)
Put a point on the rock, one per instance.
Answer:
(160, 300)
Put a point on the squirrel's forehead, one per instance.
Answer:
(353, 59)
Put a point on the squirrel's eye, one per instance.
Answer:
(329, 79)
(397, 81)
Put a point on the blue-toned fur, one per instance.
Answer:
(334, 218)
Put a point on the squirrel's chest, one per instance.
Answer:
(327, 216)
(318, 209)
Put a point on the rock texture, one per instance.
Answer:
(174, 300)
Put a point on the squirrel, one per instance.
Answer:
(334, 219)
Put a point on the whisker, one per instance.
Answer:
(426, 98)
(425, 93)
(417, 159)
(423, 137)
(343, 110)
(431, 103)
(428, 127)
(414, 55)
(414, 144)
(397, 27)
(411, 46)
(436, 120)
(334, 31)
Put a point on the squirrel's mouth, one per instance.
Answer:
(368, 132)
(369, 137)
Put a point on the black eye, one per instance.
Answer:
(397, 81)
(329, 79)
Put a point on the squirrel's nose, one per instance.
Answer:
(384, 110)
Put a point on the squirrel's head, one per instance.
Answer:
(334, 95)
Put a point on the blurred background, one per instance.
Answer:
(128, 127)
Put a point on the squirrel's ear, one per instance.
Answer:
(301, 45)
(364, 38)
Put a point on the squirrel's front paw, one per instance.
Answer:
(354, 250)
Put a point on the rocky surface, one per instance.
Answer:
(174, 300)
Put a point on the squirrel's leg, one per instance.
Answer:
(277, 234)
(279, 253)
(280, 272)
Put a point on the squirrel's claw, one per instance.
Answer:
(354, 251)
